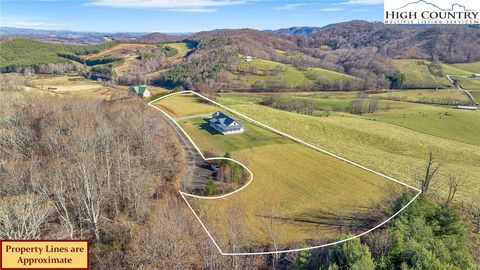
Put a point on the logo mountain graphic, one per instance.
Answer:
(455, 6)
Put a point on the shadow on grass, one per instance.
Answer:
(352, 222)
(206, 126)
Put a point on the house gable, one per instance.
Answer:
(225, 124)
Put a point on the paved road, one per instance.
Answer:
(472, 98)
(198, 171)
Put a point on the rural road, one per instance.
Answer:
(198, 171)
(207, 115)
(472, 98)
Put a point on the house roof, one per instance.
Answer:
(223, 119)
(139, 89)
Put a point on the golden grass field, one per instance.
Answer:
(120, 50)
(76, 85)
(390, 144)
(297, 193)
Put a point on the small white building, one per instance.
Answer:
(140, 90)
(470, 108)
(475, 76)
(248, 58)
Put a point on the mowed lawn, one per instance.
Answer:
(297, 193)
(185, 105)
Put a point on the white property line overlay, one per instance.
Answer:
(183, 194)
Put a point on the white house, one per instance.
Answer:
(141, 90)
(248, 58)
(476, 76)
(225, 124)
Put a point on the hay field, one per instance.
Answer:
(297, 193)
(393, 149)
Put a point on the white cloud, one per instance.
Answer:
(30, 24)
(362, 2)
(331, 9)
(290, 6)
(172, 5)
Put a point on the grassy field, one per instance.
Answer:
(181, 47)
(391, 144)
(476, 94)
(453, 69)
(258, 72)
(468, 84)
(441, 122)
(297, 193)
(469, 67)
(76, 85)
(418, 74)
(123, 50)
(185, 105)
(64, 84)
(424, 96)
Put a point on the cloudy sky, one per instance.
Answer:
(176, 16)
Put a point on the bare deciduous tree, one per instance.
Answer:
(427, 178)
(23, 217)
(456, 182)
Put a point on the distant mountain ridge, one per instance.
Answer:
(66, 36)
(298, 30)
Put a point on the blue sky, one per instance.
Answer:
(174, 16)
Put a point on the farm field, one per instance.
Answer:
(418, 74)
(65, 83)
(123, 50)
(442, 122)
(439, 121)
(391, 144)
(255, 73)
(297, 194)
(181, 47)
(424, 96)
(469, 67)
(76, 85)
(468, 84)
(476, 94)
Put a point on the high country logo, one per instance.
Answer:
(426, 12)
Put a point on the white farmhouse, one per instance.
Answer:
(225, 124)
